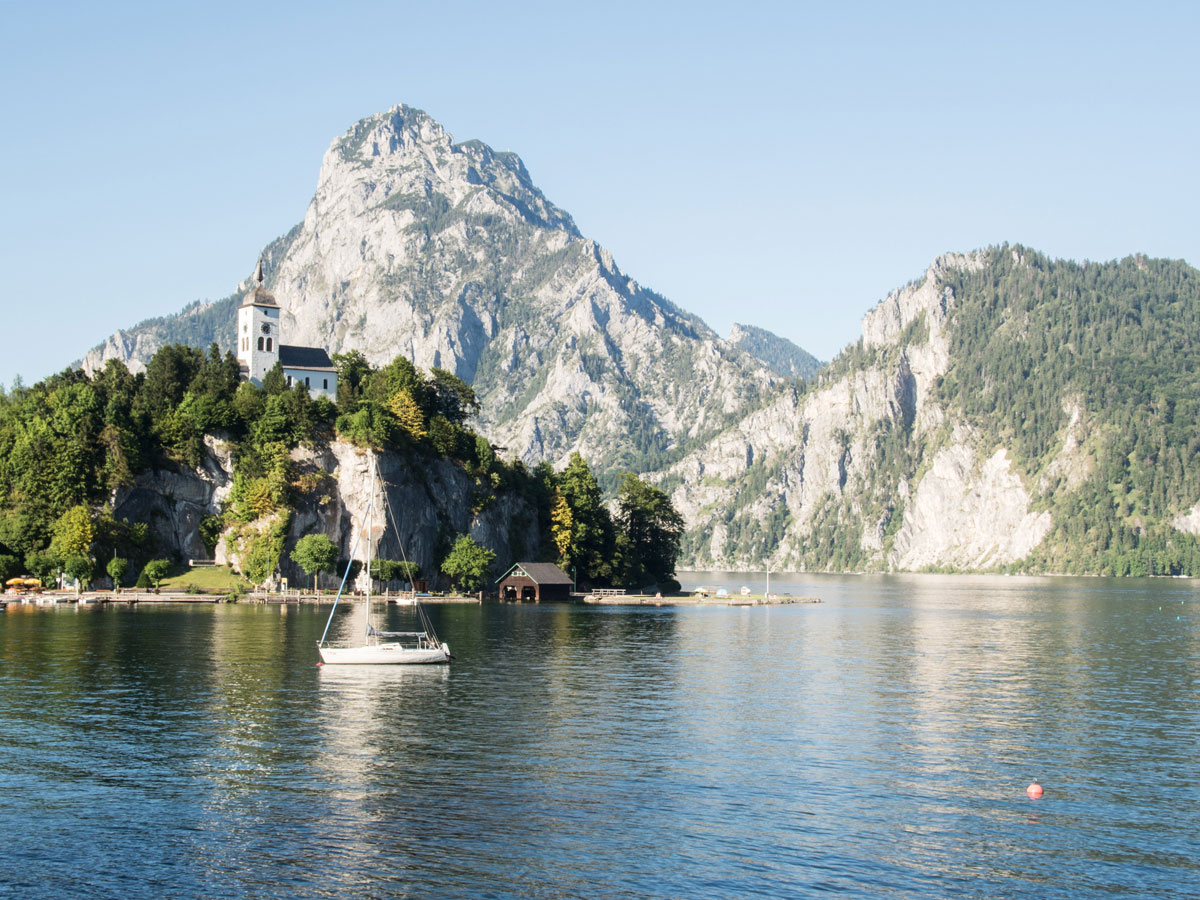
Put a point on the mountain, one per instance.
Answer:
(1008, 412)
(782, 356)
(447, 253)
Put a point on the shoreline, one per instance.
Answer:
(138, 598)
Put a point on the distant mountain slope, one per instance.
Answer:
(1006, 412)
(781, 355)
(1009, 412)
(449, 254)
(196, 325)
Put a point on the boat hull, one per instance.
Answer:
(384, 655)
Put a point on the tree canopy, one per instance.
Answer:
(468, 564)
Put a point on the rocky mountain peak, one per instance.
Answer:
(404, 156)
(447, 253)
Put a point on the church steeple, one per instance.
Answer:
(258, 329)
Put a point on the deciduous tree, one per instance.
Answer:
(468, 564)
(315, 553)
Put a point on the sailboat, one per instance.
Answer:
(375, 647)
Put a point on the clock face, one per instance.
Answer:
(266, 328)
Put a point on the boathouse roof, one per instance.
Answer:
(539, 573)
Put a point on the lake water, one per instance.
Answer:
(875, 745)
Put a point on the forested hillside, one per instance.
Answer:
(1007, 412)
(1036, 342)
(71, 445)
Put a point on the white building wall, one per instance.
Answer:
(258, 326)
(320, 383)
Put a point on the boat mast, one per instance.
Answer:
(370, 533)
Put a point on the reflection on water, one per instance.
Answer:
(877, 744)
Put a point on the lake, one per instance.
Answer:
(877, 744)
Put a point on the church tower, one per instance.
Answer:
(258, 331)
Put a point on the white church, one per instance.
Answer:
(259, 347)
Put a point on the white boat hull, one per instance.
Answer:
(384, 655)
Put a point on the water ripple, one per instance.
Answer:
(875, 745)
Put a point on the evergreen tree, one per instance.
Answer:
(650, 530)
(592, 544)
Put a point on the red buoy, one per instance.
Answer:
(1034, 791)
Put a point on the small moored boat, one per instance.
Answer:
(378, 647)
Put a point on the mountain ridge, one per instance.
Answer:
(950, 435)
(448, 254)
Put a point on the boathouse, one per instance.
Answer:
(534, 581)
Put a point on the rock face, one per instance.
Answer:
(968, 513)
(175, 502)
(812, 466)
(418, 505)
(448, 254)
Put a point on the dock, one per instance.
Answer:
(607, 598)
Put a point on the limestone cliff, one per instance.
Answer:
(448, 254)
(420, 506)
(810, 465)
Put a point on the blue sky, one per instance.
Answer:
(779, 164)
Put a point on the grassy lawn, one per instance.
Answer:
(204, 578)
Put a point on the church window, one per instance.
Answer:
(260, 343)
(306, 381)
(325, 384)
(289, 381)
(268, 345)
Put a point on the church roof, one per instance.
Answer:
(291, 357)
(260, 296)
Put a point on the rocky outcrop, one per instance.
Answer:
(812, 466)
(420, 504)
(447, 253)
(782, 356)
(174, 502)
(967, 512)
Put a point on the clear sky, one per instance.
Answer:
(779, 164)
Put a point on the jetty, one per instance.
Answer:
(620, 598)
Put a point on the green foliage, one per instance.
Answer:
(353, 372)
(389, 570)
(116, 569)
(649, 530)
(451, 396)
(73, 533)
(781, 355)
(40, 564)
(80, 568)
(261, 548)
(369, 426)
(210, 531)
(155, 571)
(315, 553)
(591, 547)
(468, 564)
(274, 382)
